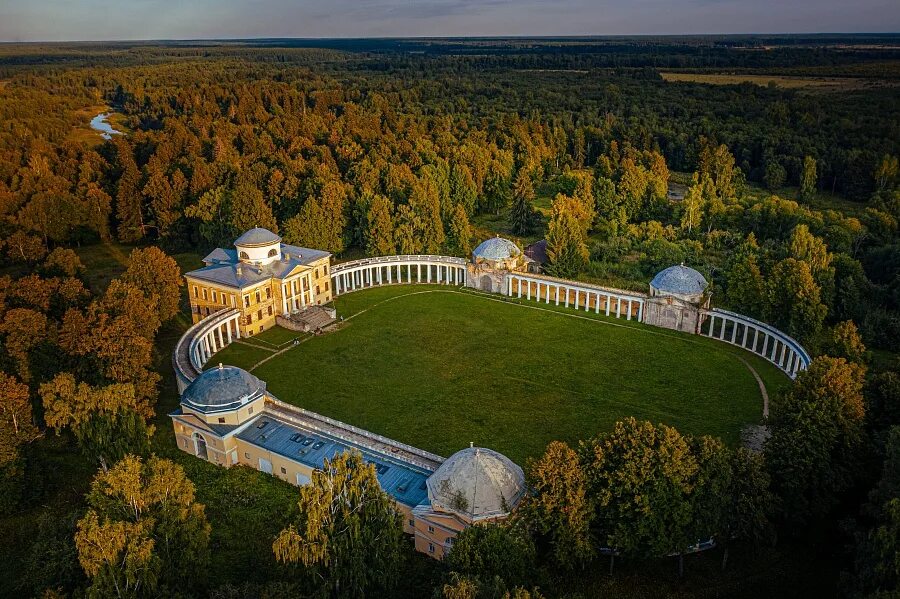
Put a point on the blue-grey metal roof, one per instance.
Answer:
(224, 268)
(257, 237)
(497, 248)
(679, 279)
(221, 389)
(402, 481)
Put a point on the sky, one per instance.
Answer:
(70, 20)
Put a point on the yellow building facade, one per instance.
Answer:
(262, 277)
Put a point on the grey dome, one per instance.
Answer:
(222, 389)
(679, 279)
(476, 483)
(257, 237)
(497, 248)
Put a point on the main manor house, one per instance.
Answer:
(228, 417)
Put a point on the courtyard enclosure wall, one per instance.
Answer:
(227, 417)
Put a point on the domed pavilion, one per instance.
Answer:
(678, 294)
(471, 486)
(491, 260)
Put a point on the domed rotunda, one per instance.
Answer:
(677, 298)
(222, 389)
(496, 249)
(258, 246)
(476, 484)
(680, 281)
(491, 260)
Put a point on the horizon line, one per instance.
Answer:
(461, 37)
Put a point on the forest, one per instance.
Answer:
(786, 197)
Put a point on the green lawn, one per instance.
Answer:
(438, 368)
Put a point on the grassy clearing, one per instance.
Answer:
(438, 368)
(766, 80)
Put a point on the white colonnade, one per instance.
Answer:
(390, 270)
(569, 293)
(758, 337)
(220, 330)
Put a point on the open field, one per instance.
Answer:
(781, 81)
(438, 368)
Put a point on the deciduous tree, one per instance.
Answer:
(816, 433)
(348, 533)
(108, 422)
(559, 507)
(144, 535)
(158, 276)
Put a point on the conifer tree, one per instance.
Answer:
(522, 215)
(566, 237)
(460, 238)
(379, 234)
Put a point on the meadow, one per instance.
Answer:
(439, 368)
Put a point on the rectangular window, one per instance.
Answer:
(221, 420)
(246, 301)
(270, 310)
(259, 315)
(430, 547)
(257, 296)
(268, 293)
(412, 523)
(232, 301)
(316, 273)
(326, 286)
(215, 297)
(204, 293)
(431, 529)
(195, 292)
(250, 411)
(317, 290)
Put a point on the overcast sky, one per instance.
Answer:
(45, 20)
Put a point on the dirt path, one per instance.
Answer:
(762, 387)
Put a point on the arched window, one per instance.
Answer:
(244, 256)
(272, 252)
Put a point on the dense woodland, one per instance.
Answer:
(787, 199)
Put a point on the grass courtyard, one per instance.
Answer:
(436, 367)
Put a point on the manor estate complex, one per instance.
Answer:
(228, 417)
